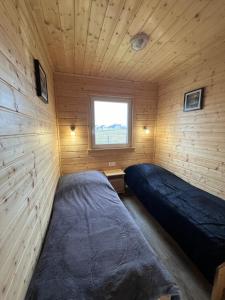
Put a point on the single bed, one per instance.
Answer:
(195, 218)
(94, 250)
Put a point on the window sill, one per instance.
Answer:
(109, 149)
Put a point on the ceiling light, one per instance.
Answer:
(139, 41)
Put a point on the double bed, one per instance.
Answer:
(94, 250)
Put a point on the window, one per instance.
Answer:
(111, 122)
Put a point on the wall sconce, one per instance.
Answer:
(146, 129)
(72, 130)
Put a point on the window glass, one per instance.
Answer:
(111, 122)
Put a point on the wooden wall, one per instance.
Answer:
(73, 108)
(192, 144)
(28, 149)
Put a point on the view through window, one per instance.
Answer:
(111, 122)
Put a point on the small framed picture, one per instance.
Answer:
(41, 81)
(193, 100)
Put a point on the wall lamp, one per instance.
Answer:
(72, 129)
(146, 129)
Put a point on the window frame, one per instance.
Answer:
(117, 99)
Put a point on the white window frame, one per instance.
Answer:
(129, 118)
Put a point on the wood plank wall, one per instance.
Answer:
(192, 144)
(73, 108)
(29, 163)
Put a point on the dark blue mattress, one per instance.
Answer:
(195, 218)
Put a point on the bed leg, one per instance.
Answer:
(218, 291)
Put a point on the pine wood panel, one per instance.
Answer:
(29, 162)
(100, 31)
(73, 108)
(192, 144)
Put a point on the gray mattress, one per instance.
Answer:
(94, 250)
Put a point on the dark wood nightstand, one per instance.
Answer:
(116, 178)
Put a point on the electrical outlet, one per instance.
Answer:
(112, 163)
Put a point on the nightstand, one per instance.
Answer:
(116, 178)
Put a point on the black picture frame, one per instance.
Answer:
(193, 100)
(41, 81)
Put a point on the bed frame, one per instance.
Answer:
(218, 291)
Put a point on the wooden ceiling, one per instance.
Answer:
(92, 37)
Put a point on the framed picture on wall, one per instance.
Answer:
(193, 100)
(41, 81)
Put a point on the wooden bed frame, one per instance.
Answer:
(218, 291)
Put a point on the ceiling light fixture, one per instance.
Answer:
(139, 41)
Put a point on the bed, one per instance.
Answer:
(195, 218)
(94, 250)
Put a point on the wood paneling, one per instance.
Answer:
(73, 108)
(192, 144)
(29, 163)
(92, 37)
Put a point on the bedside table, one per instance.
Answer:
(116, 178)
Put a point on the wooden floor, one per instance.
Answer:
(192, 284)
